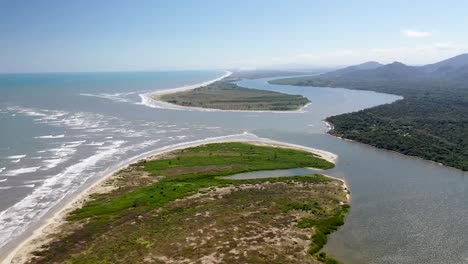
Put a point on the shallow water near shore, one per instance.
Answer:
(62, 130)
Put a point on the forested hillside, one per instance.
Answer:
(431, 121)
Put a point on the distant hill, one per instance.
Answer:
(364, 66)
(395, 70)
(455, 69)
(455, 63)
(431, 121)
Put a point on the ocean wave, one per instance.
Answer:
(117, 97)
(60, 154)
(76, 120)
(17, 186)
(52, 163)
(50, 136)
(33, 181)
(16, 218)
(95, 144)
(16, 157)
(20, 171)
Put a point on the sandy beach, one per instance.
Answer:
(42, 235)
(153, 100)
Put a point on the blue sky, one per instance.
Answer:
(53, 35)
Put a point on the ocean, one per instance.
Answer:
(59, 131)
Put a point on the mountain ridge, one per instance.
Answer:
(431, 120)
(455, 68)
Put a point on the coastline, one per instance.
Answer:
(50, 225)
(328, 132)
(345, 186)
(147, 99)
(153, 100)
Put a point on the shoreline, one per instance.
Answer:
(345, 186)
(389, 150)
(21, 252)
(148, 100)
(153, 100)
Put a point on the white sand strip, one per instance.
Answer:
(41, 235)
(153, 100)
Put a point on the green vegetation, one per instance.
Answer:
(226, 95)
(431, 121)
(324, 227)
(178, 207)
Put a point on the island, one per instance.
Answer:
(180, 207)
(226, 95)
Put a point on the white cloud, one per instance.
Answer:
(417, 34)
(413, 55)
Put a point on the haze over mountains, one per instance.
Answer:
(453, 69)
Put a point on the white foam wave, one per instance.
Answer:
(94, 130)
(3, 180)
(16, 157)
(60, 154)
(16, 218)
(33, 181)
(51, 136)
(20, 171)
(17, 186)
(95, 144)
(16, 161)
(52, 163)
(26, 186)
(118, 97)
(76, 120)
(2, 169)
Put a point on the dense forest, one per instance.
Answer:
(431, 121)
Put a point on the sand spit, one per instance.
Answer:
(42, 235)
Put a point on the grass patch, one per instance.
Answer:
(129, 223)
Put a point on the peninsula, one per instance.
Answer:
(178, 207)
(226, 95)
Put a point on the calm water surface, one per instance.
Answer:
(59, 131)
